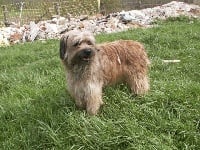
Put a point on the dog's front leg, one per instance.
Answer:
(93, 106)
(93, 97)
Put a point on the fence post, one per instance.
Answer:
(20, 15)
(57, 8)
(99, 5)
(140, 4)
(5, 14)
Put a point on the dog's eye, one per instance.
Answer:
(89, 42)
(76, 43)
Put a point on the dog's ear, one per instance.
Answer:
(63, 47)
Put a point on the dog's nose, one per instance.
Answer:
(87, 52)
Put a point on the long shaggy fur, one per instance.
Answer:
(91, 67)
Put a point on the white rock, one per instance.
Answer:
(62, 21)
(51, 28)
(3, 41)
(34, 30)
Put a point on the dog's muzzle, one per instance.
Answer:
(86, 54)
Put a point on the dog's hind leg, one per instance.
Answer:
(138, 83)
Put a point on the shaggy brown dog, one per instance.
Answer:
(90, 67)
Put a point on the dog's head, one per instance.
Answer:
(77, 48)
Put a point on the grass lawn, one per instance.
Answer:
(36, 111)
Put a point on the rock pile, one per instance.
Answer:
(114, 22)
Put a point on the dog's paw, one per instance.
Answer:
(92, 109)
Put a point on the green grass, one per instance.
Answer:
(36, 111)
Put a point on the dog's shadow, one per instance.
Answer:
(118, 95)
(113, 96)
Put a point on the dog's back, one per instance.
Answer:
(124, 57)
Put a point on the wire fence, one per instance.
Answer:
(24, 12)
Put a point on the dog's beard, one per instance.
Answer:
(80, 64)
